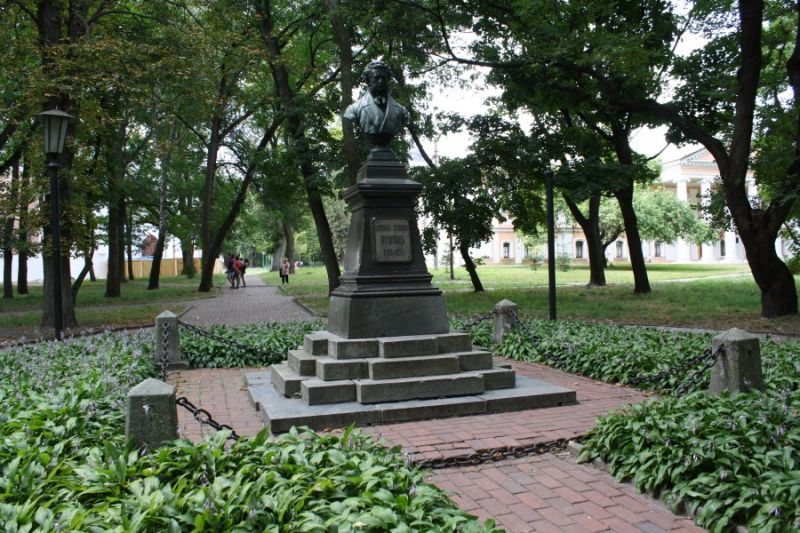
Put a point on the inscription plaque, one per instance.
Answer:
(392, 240)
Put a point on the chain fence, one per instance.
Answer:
(491, 455)
(205, 418)
(700, 363)
(196, 330)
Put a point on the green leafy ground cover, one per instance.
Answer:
(732, 459)
(243, 346)
(65, 465)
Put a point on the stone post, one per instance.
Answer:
(167, 325)
(739, 368)
(505, 318)
(151, 415)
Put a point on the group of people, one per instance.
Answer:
(235, 268)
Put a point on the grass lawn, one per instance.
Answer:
(716, 297)
(136, 306)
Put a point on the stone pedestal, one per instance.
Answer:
(388, 354)
(386, 289)
(738, 369)
(151, 415)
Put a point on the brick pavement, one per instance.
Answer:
(537, 493)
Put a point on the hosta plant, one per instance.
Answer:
(247, 345)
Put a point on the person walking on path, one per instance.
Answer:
(285, 271)
(243, 271)
(229, 270)
(237, 263)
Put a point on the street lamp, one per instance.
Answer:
(55, 124)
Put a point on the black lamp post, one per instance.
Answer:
(551, 243)
(55, 123)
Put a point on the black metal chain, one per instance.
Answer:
(164, 349)
(491, 455)
(696, 377)
(477, 320)
(205, 418)
(226, 341)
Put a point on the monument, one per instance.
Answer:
(388, 354)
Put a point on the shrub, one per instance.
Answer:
(242, 346)
(67, 467)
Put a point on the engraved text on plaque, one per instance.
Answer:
(392, 240)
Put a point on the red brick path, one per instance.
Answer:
(538, 493)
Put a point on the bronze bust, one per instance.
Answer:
(376, 114)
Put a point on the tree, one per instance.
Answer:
(460, 197)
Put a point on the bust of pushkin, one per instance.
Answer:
(376, 114)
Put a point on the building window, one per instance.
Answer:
(506, 250)
(578, 249)
(619, 249)
(722, 247)
(658, 248)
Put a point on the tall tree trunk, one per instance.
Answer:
(346, 85)
(113, 277)
(594, 243)
(288, 235)
(641, 284)
(8, 231)
(277, 257)
(155, 269)
(187, 253)
(624, 196)
(87, 268)
(129, 242)
(473, 271)
(280, 75)
(8, 258)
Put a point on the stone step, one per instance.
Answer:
(286, 381)
(316, 343)
(328, 369)
(409, 346)
(407, 367)
(498, 378)
(318, 392)
(394, 390)
(475, 360)
(455, 341)
(340, 348)
(257, 378)
(301, 362)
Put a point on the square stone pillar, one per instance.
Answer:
(167, 338)
(738, 369)
(504, 317)
(151, 414)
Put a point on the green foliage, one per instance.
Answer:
(609, 353)
(481, 332)
(267, 342)
(66, 465)
(734, 459)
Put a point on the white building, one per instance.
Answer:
(690, 177)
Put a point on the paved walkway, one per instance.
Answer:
(258, 302)
(539, 493)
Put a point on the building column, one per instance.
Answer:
(707, 247)
(731, 252)
(682, 252)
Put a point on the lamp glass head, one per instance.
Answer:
(55, 123)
